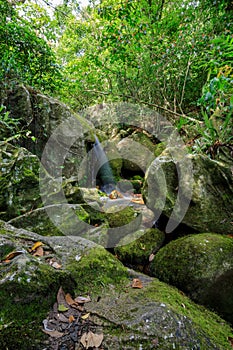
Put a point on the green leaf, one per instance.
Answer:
(62, 308)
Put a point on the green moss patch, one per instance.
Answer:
(142, 244)
(202, 266)
(204, 321)
(120, 217)
(25, 300)
(97, 270)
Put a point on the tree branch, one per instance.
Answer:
(145, 103)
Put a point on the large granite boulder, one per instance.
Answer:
(44, 116)
(19, 181)
(103, 221)
(136, 157)
(206, 190)
(202, 266)
(137, 252)
(152, 315)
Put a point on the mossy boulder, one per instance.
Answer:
(129, 318)
(159, 148)
(29, 284)
(19, 102)
(39, 220)
(19, 182)
(157, 316)
(136, 157)
(202, 266)
(105, 223)
(28, 287)
(211, 202)
(122, 221)
(144, 139)
(68, 191)
(136, 249)
(118, 216)
(42, 115)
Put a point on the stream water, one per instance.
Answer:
(102, 168)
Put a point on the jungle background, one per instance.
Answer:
(173, 56)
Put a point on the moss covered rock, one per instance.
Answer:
(157, 316)
(29, 284)
(120, 216)
(39, 220)
(202, 266)
(211, 206)
(41, 115)
(137, 248)
(19, 182)
(129, 318)
(105, 223)
(122, 221)
(136, 157)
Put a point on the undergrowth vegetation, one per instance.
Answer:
(173, 57)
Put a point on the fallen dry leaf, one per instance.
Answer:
(62, 308)
(39, 252)
(137, 200)
(54, 263)
(84, 317)
(69, 299)
(91, 340)
(63, 318)
(35, 246)
(54, 334)
(71, 319)
(12, 255)
(61, 296)
(82, 300)
(115, 194)
(137, 283)
(46, 327)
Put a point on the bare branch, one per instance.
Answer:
(145, 103)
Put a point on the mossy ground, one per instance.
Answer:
(25, 303)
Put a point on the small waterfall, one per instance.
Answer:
(102, 168)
